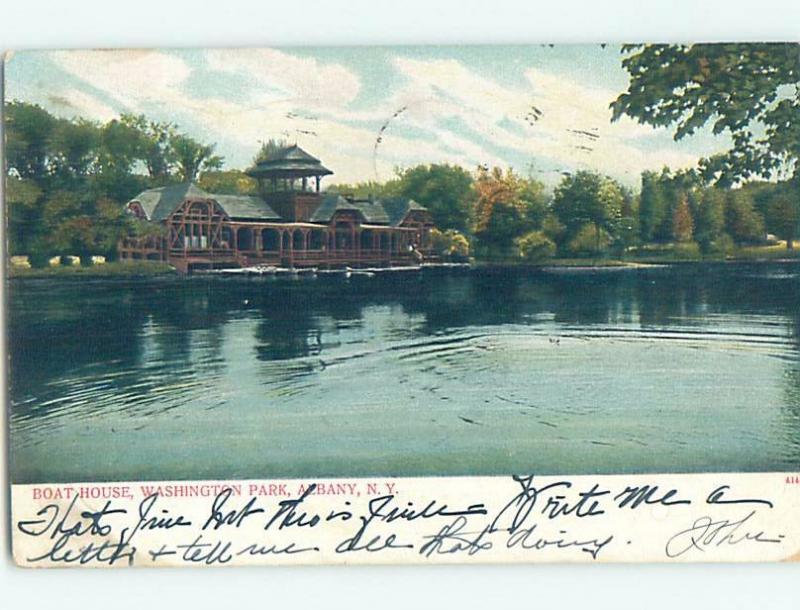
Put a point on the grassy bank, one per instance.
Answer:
(131, 269)
(655, 257)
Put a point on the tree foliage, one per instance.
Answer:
(446, 190)
(192, 157)
(507, 206)
(682, 221)
(749, 91)
(67, 180)
(535, 246)
(589, 199)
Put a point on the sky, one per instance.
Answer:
(365, 111)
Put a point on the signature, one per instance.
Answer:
(706, 533)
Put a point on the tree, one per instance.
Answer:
(193, 157)
(368, 190)
(231, 182)
(783, 215)
(682, 221)
(627, 234)
(742, 221)
(21, 198)
(450, 244)
(709, 217)
(588, 198)
(652, 206)
(154, 138)
(536, 246)
(507, 206)
(747, 90)
(29, 133)
(74, 148)
(446, 190)
(268, 149)
(779, 205)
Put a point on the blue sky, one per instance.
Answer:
(367, 110)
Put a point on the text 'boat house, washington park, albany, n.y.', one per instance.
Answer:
(289, 224)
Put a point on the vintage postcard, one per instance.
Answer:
(403, 304)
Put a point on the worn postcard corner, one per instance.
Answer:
(433, 305)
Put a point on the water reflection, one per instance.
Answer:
(99, 354)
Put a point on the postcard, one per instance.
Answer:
(402, 305)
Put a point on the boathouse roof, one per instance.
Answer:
(158, 203)
(289, 162)
(371, 211)
(245, 206)
(397, 208)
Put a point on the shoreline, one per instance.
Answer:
(146, 270)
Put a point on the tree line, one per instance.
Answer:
(502, 214)
(67, 180)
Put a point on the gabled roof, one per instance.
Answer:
(398, 208)
(288, 162)
(158, 203)
(331, 204)
(371, 211)
(245, 206)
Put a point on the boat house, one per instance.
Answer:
(291, 223)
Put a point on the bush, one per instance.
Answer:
(39, 259)
(721, 247)
(687, 250)
(585, 241)
(536, 246)
(450, 244)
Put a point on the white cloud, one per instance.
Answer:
(129, 77)
(306, 81)
(76, 103)
(471, 119)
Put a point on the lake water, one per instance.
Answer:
(684, 369)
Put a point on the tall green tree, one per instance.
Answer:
(653, 206)
(29, 132)
(74, 148)
(154, 137)
(446, 190)
(742, 221)
(192, 157)
(783, 215)
(22, 196)
(589, 198)
(709, 217)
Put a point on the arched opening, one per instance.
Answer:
(344, 236)
(298, 240)
(270, 240)
(384, 242)
(367, 237)
(244, 239)
(227, 238)
(287, 240)
(317, 240)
